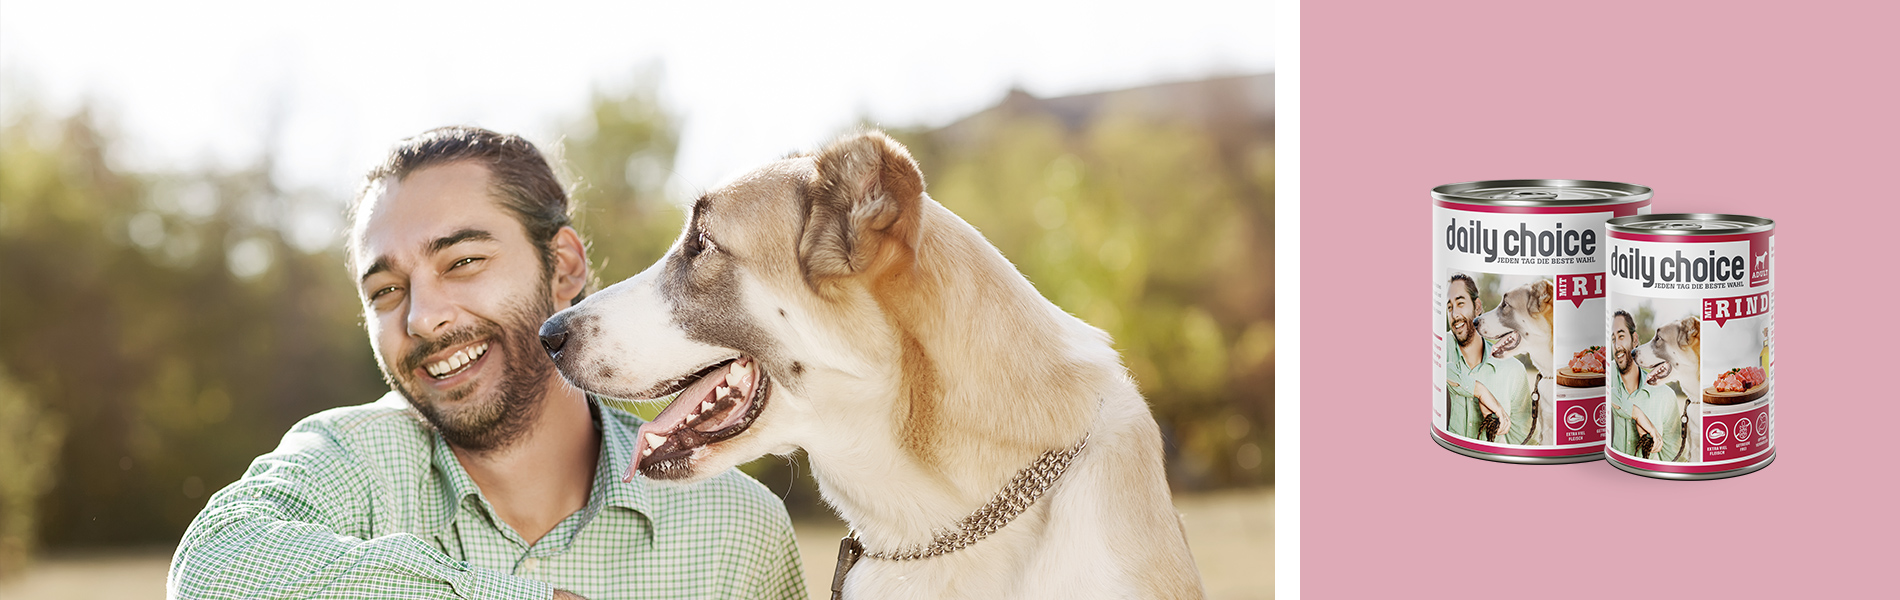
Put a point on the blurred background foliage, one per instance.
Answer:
(160, 330)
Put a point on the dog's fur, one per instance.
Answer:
(1527, 312)
(916, 367)
(1678, 344)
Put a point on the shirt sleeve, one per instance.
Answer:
(784, 572)
(290, 529)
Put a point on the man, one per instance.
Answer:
(484, 474)
(1640, 409)
(1476, 384)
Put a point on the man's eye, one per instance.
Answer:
(384, 291)
(463, 262)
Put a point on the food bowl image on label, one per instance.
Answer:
(1691, 329)
(1519, 358)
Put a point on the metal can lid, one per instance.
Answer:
(1690, 224)
(1541, 192)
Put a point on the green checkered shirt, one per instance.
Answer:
(369, 502)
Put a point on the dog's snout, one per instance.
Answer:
(554, 335)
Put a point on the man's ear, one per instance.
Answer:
(864, 209)
(570, 267)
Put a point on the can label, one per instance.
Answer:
(1517, 335)
(1691, 333)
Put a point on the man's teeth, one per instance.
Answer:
(458, 360)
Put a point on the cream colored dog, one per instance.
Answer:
(825, 302)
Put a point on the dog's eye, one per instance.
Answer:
(704, 244)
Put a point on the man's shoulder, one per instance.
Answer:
(375, 429)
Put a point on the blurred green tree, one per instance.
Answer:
(29, 439)
(1154, 227)
(163, 318)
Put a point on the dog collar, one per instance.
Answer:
(1029, 484)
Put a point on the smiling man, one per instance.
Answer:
(483, 474)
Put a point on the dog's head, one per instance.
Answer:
(771, 267)
(1674, 354)
(1523, 313)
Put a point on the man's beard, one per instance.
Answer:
(508, 410)
(1623, 359)
(1463, 339)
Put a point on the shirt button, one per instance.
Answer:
(527, 566)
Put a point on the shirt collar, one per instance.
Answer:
(617, 438)
(619, 433)
(1484, 356)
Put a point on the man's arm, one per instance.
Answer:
(290, 529)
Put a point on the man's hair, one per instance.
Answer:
(1625, 316)
(1471, 287)
(519, 178)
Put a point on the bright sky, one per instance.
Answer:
(195, 82)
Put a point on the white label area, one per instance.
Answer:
(1692, 370)
(1517, 309)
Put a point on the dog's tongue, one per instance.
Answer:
(1505, 344)
(672, 420)
(1661, 371)
(673, 416)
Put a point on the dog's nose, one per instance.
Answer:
(554, 335)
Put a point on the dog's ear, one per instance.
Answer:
(1541, 295)
(864, 207)
(1689, 331)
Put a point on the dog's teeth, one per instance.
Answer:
(722, 392)
(646, 452)
(655, 440)
(705, 406)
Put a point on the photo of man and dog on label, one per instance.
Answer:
(1498, 344)
(1656, 359)
(591, 304)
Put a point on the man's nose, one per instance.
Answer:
(554, 335)
(430, 312)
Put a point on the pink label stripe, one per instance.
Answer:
(1620, 210)
(1514, 451)
(1690, 239)
(1692, 468)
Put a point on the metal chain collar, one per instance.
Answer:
(1022, 492)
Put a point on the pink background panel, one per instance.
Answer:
(1783, 110)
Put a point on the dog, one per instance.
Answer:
(824, 302)
(1675, 354)
(1522, 323)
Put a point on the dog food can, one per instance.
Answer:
(1517, 334)
(1691, 329)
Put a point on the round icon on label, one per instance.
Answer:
(1718, 433)
(1602, 414)
(1574, 418)
(1742, 430)
(1761, 424)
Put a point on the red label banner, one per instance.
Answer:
(1721, 310)
(1577, 288)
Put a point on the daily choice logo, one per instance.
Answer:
(1523, 242)
(1632, 264)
